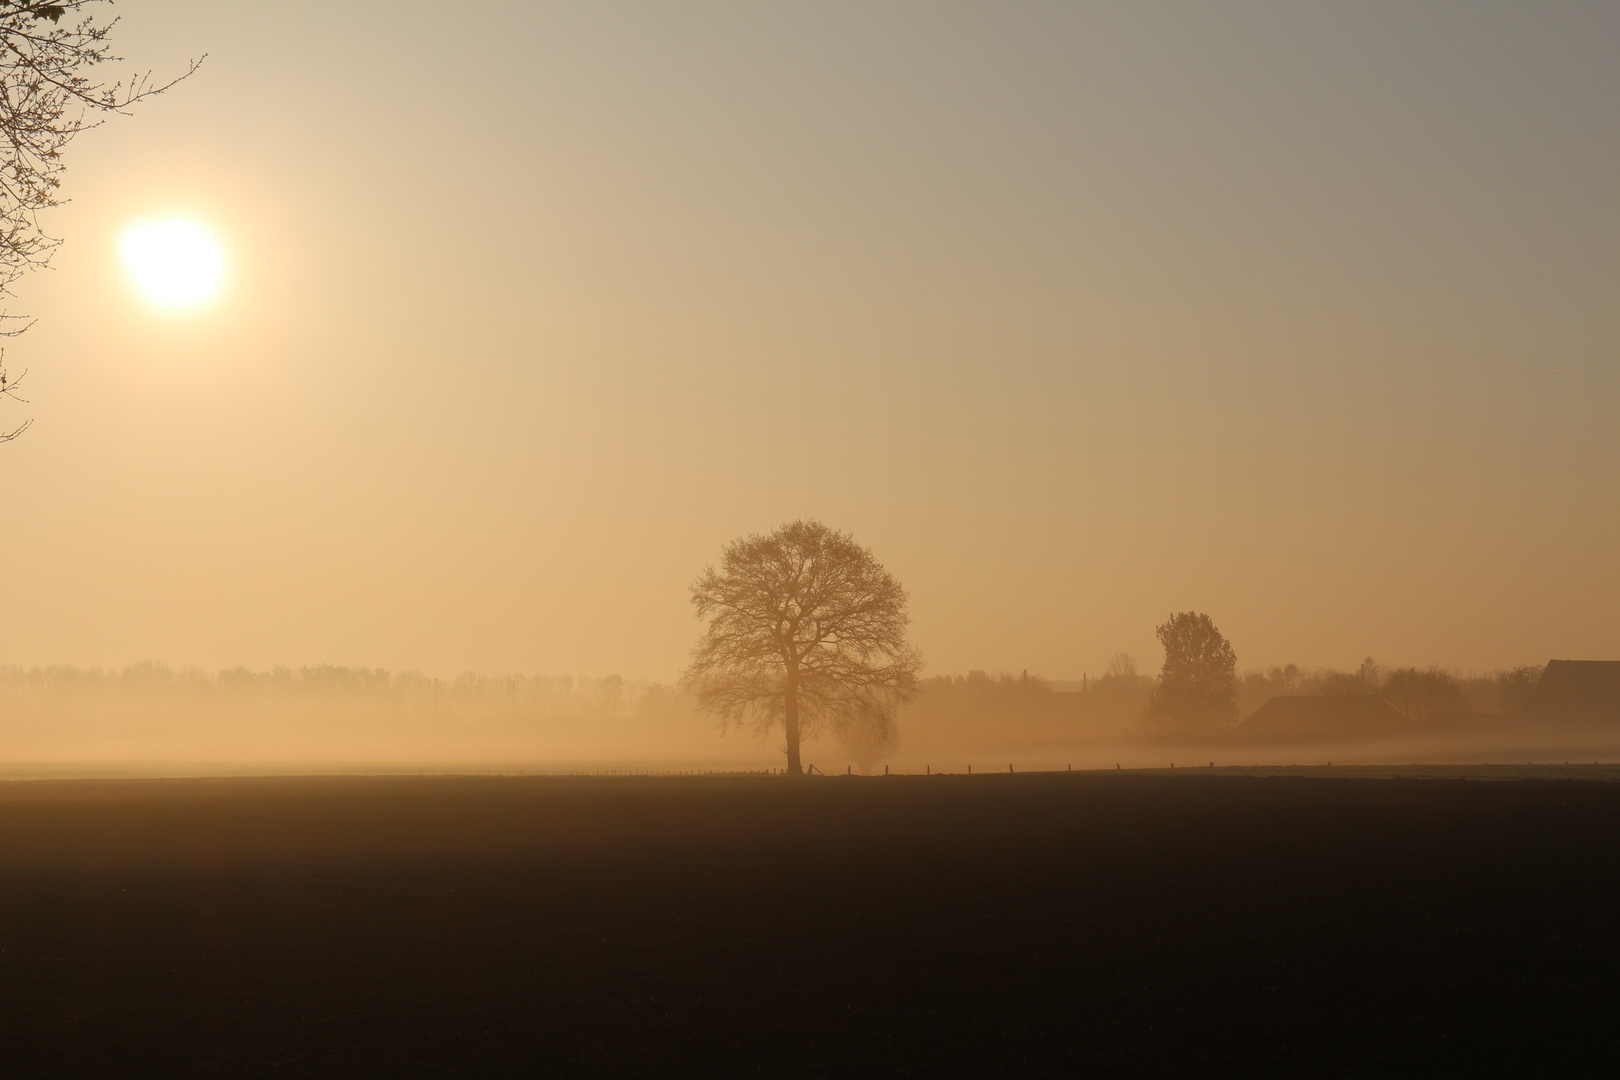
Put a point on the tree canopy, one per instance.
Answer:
(807, 631)
(1197, 688)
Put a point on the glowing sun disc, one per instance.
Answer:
(175, 263)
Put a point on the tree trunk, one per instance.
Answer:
(790, 721)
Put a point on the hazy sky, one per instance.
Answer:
(1302, 315)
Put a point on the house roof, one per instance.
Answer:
(1578, 689)
(1322, 717)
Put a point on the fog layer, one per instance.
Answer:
(152, 719)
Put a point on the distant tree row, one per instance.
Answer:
(403, 693)
(1198, 689)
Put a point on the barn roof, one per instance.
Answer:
(1578, 689)
(1322, 717)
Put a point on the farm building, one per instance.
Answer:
(1579, 690)
(1322, 718)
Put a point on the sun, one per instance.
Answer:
(176, 263)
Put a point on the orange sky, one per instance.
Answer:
(1077, 314)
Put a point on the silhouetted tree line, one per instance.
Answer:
(986, 714)
(373, 691)
(1199, 693)
(329, 713)
(1419, 694)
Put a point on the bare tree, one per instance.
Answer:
(49, 54)
(8, 392)
(1425, 696)
(1197, 689)
(806, 630)
(1121, 666)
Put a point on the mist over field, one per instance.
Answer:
(149, 719)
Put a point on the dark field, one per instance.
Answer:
(1084, 924)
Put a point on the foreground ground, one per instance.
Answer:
(1070, 924)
